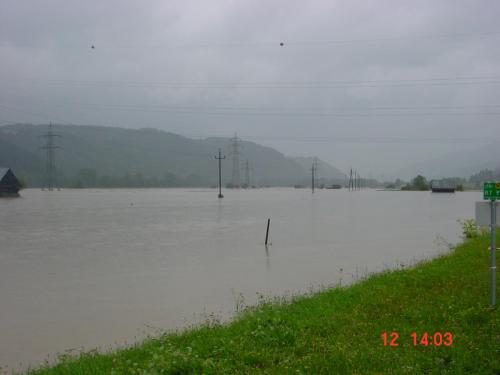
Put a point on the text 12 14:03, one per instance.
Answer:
(425, 339)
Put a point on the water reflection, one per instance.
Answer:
(85, 268)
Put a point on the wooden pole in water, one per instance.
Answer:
(267, 230)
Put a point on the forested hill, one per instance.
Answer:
(110, 156)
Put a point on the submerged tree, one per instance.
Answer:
(418, 183)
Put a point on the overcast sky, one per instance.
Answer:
(376, 85)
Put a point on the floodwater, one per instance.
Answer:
(81, 269)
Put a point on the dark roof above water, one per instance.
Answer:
(3, 171)
(6, 174)
(9, 184)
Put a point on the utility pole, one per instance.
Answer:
(350, 180)
(235, 152)
(354, 181)
(220, 173)
(313, 170)
(50, 165)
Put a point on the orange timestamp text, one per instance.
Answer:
(425, 339)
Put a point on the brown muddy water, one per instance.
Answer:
(81, 269)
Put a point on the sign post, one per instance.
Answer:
(491, 192)
(493, 253)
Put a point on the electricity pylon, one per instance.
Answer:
(50, 165)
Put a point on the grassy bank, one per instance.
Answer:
(338, 331)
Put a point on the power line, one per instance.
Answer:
(396, 38)
(355, 139)
(340, 139)
(319, 114)
(266, 109)
(37, 115)
(433, 81)
(378, 139)
(301, 112)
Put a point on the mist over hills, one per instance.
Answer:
(326, 173)
(456, 164)
(110, 156)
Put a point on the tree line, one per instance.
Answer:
(89, 178)
(420, 183)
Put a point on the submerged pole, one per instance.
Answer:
(267, 230)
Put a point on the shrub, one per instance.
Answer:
(469, 228)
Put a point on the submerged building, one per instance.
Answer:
(9, 184)
(439, 186)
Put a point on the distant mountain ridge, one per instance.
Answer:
(95, 153)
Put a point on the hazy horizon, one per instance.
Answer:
(378, 86)
(476, 160)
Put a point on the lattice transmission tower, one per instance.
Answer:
(50, 164)
(235, 153)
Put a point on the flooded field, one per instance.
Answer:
(81, 269)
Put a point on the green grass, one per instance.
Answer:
(337, 331)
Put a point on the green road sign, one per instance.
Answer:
(491, 190)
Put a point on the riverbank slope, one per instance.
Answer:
(339, 331)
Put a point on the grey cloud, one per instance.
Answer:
(49, 70)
